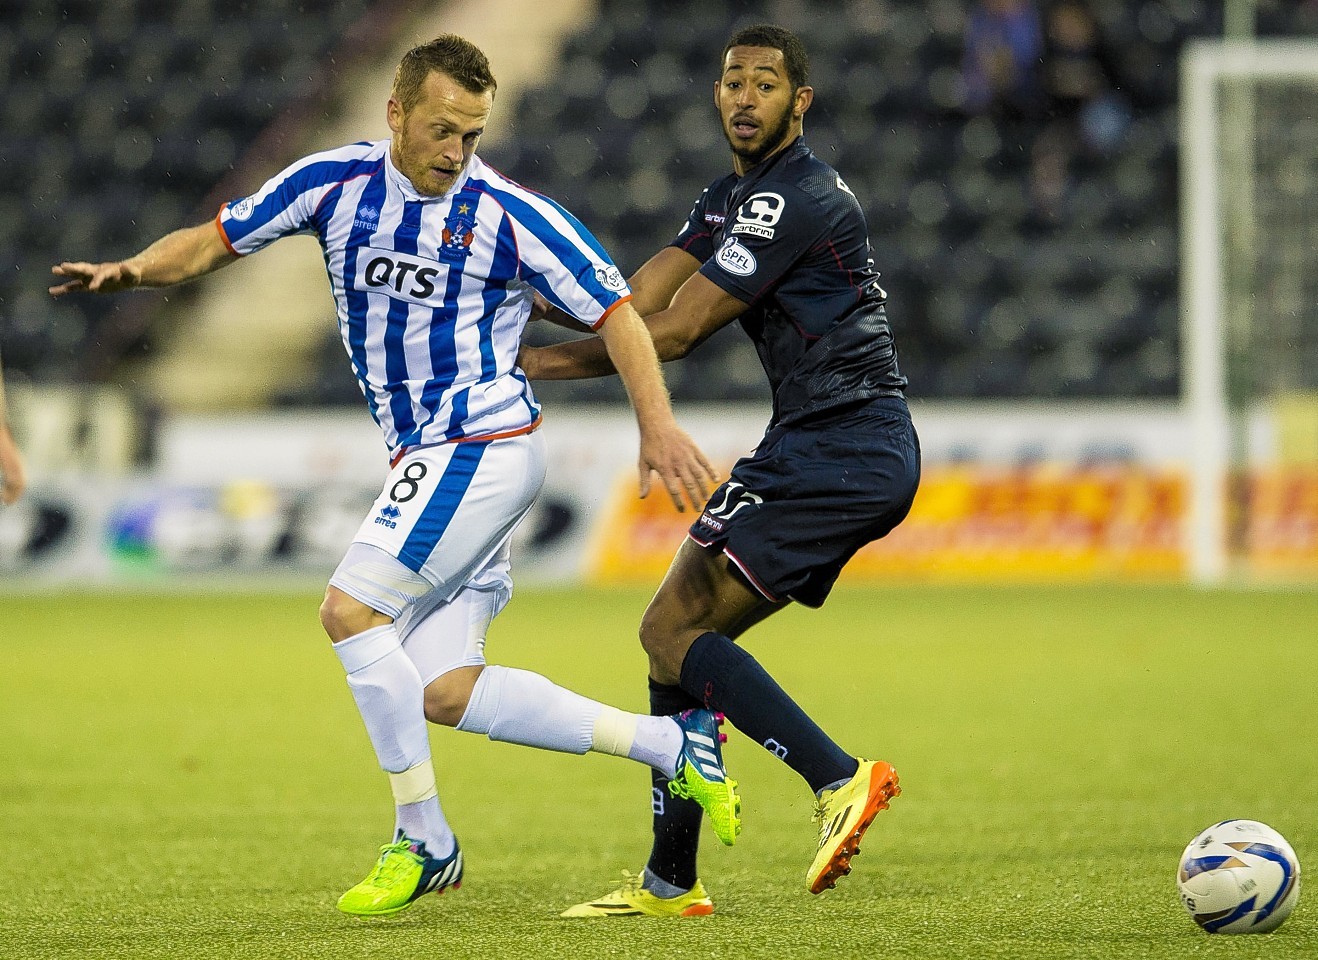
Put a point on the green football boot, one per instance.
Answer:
(404, 872)
(633, 900)
(702, 777)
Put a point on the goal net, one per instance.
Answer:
(1249, 292)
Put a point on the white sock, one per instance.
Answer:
(390, 699)
(518, 706)
(654, 741)
(417, 813)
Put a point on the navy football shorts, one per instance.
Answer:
(797, 509)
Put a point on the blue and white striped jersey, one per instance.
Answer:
(432, 292)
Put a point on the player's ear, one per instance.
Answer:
(394, 114)
(717, 84)
(804, 97)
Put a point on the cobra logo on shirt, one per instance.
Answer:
(400, 275)
(758, 215)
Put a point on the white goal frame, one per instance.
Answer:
(1203, 276)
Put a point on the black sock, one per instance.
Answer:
(676, 821)
(728, 679)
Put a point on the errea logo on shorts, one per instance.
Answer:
(735, 258)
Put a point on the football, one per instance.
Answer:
(1239, 876)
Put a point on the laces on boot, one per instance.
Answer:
(395, 859)
(631, 882)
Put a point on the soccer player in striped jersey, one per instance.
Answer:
(434, 259)
(781, 246)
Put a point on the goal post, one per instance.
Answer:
(1249, 272)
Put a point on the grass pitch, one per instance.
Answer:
(186, 777)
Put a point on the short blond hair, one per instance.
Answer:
(450, 55)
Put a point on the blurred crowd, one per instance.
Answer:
(1016, 158)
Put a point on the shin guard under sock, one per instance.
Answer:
(728, 679)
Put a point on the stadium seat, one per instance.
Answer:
(118, 118)
(168, 93)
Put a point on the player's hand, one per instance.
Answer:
(96, 277)
(681, 466)
(539, 307)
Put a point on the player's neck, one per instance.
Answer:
(742, 166)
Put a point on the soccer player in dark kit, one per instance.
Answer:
(782, 246)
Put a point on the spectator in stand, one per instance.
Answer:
(1086, 110)
(1003, 50)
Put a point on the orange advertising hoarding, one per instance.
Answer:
(972, 521)
(1038, 522)
(1278, 521)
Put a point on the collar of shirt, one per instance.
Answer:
(408, 191)
(794, 149)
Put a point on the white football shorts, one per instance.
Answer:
(442, 524)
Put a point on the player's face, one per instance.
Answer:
(760, 115)
(435, 140)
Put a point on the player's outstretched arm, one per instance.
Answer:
(666, 449)
(174, 258)
(688, 307)
(653, 287)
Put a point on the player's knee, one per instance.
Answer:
(651, 633)
(662, 641)
(343, 616)
(447, 695)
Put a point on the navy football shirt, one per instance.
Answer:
(789, 239)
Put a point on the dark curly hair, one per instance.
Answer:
(776, 38)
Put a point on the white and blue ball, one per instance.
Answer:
(1239, 876)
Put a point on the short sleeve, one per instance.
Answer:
(695, 236)
(250, 223)
(767, 235)
(562, 260)
(287, 202)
